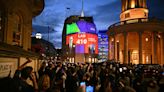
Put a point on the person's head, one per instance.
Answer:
(50, 64)
(44, 82)
(43, 64)
(26, 72)
(81, 66)
(59, 64)
(152, 83)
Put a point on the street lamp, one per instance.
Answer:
(146, 39)
(38, 35)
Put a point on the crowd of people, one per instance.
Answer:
(80, 77)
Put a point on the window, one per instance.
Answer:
(145, 14)
(127, 15)
(129, 4)
(1, 26)
(16, 30)
(133, 4)
(137, 4)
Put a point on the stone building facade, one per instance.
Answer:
(15, 33)
(137, 38)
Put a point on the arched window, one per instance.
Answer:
(126, 5)
(129, 4)
(137, 3)
(144, 4)
(141, 3)
(132, 3)
(17, 33)
(2, 24)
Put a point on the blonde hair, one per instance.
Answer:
(44, 79)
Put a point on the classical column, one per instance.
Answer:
(109, 49)
(125, 48)
(140, 47)
(114, 47)
(118, 50)
(154, 47)
(162, 49)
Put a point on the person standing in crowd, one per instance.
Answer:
(71, 77)
(58, 78)
(81, 72)
(72, 81)
(44, 83)
(20, 78)
(41, 70)
(152, 86)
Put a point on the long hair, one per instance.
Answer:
(41, 83)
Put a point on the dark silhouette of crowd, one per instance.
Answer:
(80, 77)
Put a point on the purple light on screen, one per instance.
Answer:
(86, 26)
(82, 26)
(91, 27)
(79, 49)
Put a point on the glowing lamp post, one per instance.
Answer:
(38, 35)
(146, 39)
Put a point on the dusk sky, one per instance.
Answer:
(104, 13)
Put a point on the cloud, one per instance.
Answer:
(56, 11)
(55, 38)
(48, 18)
(106, 14)
(42, 29)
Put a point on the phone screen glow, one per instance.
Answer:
(89, 89)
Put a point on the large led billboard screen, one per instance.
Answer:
(72, 28)
(83, 42)
(80, 26)
(103, 46)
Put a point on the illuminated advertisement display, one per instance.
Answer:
(81, 26)
(83, 42)
(103, 46)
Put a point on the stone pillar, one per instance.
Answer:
(114, 47)
(154, 48)
(118, 50)
(108, 47)
(111, 47)
(140, 47)
(162, 49)
(125, 48)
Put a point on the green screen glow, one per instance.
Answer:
(72, 28)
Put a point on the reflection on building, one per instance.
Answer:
(136, 38)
